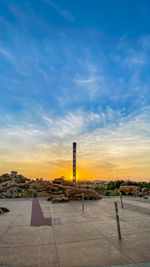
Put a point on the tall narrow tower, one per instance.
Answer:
(74, 163)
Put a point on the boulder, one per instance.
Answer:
(12, 193)
(76, 194)
(14, 172)
(23, 186)
(5, 177)
(62, 181)
(4, 209)
(59, 198)
(145, 191)
(55, 195)
(129, 189)
(43, 194)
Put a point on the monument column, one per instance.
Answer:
(74, 163)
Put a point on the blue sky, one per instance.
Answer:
(75, 71)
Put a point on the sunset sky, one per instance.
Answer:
(75, 70)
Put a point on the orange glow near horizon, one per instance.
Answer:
(95, 161)
(82, 173)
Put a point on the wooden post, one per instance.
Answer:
(82, 201)
(121, 200)
(117, 219)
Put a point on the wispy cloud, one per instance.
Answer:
(114, 147)
(134, 60)
(7, 54)
(63, 12)
(91, 80)
(132, 55)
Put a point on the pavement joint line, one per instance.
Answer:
(79, 241)
(134, 262)
(28, 245)
(57, 255)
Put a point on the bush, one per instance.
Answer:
(111, 193)
(27, 194)
(100, 189)
(19, 190)
(114, 193)
(111, 185)
(107, 193)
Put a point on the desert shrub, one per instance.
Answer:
(19, 190)
(111, 193)
(100, 189)
(28, 193)
(111, 185)
(143, 184)
(107, 193)
(114, 193)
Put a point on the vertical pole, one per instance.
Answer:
(82, 201)
(121, 200)
(117, 219)
(74, 163)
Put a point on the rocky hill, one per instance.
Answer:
(14, 185)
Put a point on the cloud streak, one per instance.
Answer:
(7, 54)
(121, 146)
(63, 12)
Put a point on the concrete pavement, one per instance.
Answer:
(76, 238)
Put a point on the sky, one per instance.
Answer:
(79, 71)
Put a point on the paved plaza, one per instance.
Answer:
(75, 237)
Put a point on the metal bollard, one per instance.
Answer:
(117, 219)
(121, 200)
(82, 201)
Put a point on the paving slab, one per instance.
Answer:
(69, 217)
(136, 246)
(24, 256)
(110, 228)
(18, 236)
(90, 253)
(76, 232)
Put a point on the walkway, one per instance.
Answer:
(76, 238)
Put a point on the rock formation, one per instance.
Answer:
(15, 185)
(129, 189)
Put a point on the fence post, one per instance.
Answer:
(82, 201)
(117, 219)
(121, 200)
